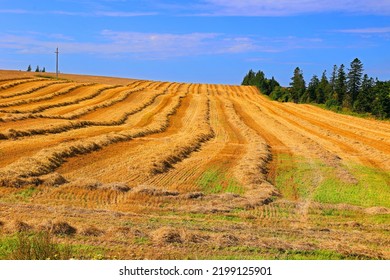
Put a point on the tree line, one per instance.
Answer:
(352, 89)
(29, 69)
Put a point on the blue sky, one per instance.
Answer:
(205, 41)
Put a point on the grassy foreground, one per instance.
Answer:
(320, 215)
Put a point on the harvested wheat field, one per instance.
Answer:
(114, 167)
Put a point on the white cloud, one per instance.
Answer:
(217, 8)
(123, 14)
(13, 11)
(369, 30)
(154, 45)
(80, 14)
(292, 7)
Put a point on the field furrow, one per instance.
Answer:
(127, 165)
(12, 82)
(364, 127)
(74, 96)
(48, 159)
(113, 112)
(26, 89)
(12, 150)
(40, 95)
(119, 156)
(7, 81)
(381, 144)
(87, 104)
(61, 125)
(79, 112)
(233, 161)
(337, 144)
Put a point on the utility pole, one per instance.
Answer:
(56, 52)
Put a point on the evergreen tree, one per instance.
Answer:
(37, 69)
(354, 82)
(341, 85)
(44, 69)
(298, 86)
(249, 78)
(365, 97)
(272, 84)
(266, 86)
(333, 79)
(29, 68)
(312, 88)
(324, 89)
(381, 103)
(280, 94)
(260, 82)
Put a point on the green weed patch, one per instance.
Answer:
(296, 178)
(217, 181)
(371, 190)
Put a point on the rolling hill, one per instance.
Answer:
(205, 171)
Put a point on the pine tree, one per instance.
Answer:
(281, 94)
(333, 79)
(311, 92)
(324, 89)
(37, 69)
(266, 86)
(365, 97)
(260, 82)
(381, 103)
(44, 70)
(272, 84)
(29, 68)
(341, 85)
(249, 78)
(354, 82)
(298, 86)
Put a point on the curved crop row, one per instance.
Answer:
(14, 79)
(289, 138)
(252, 169)
(85, 110)
(335, 140)
(190, 139)
(19, 81)
(42, 98)
(188, 130)
(17, 133)
(31, 89)
(14, 150)
(73, 100)
(133, 159)
(26, 170)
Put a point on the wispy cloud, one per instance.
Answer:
(97, 13)
(13, 11)
(155, 45)
(123, 14)
(119, 8)
(369, 30)
(289, 7)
